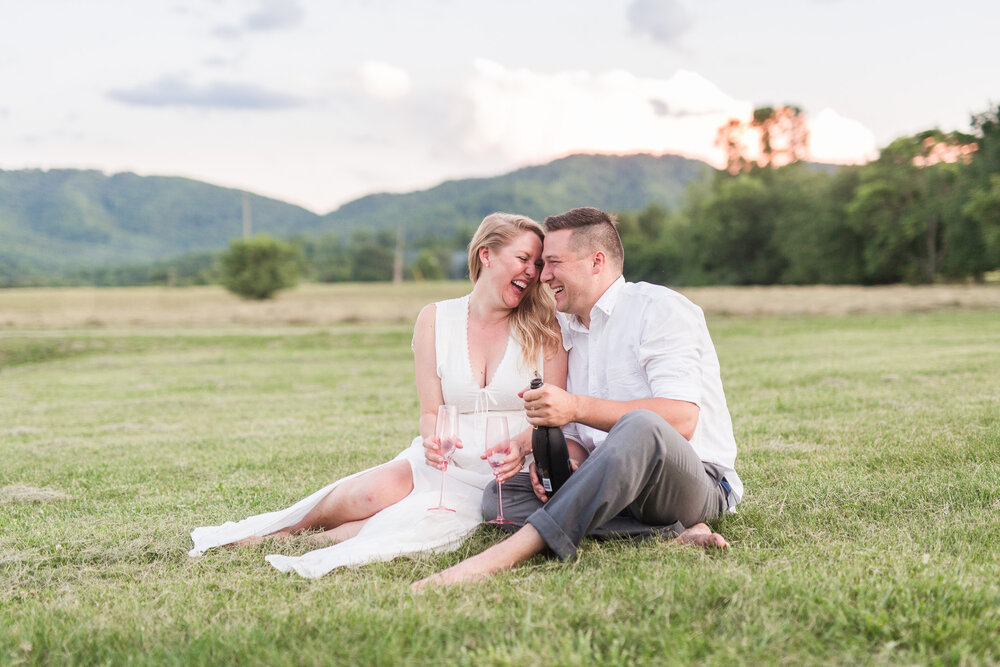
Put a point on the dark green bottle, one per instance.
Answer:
(548, 446)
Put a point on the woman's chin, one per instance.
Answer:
(513, 299)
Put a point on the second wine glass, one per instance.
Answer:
(446, 431)
(497, 449)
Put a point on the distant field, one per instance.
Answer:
(869, 430)
(315, 304)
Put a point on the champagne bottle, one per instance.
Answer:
(548, 446)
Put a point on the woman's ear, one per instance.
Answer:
(484, 256)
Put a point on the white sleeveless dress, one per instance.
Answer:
(408, 527)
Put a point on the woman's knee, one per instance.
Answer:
(381, 487)
(397, 481)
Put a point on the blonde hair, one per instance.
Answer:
(533, 322)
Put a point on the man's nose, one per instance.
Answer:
(546, 273)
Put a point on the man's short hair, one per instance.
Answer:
(593, 230)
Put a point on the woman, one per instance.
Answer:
(476, 352)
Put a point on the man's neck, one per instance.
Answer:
(585, 317)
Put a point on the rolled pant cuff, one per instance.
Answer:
(553, 535)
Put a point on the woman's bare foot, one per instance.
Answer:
(524, 544)
(456, 574)
(257, 539)
(519, 547)
(701, 535)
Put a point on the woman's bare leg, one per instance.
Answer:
(353, 502)
(357, 499)
(344, 531)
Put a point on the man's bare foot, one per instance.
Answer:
(701, 535)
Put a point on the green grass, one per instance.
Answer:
(870, 530)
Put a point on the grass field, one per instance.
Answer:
(869, 427)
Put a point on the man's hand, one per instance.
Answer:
(549, 406)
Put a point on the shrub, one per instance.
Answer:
(258, 267)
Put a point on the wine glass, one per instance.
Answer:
(446, 431)
(497, 449)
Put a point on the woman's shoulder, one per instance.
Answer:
(426, 316)
(450, 308)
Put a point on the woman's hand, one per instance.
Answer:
(514, 461)
(536, 484)
(432, 452)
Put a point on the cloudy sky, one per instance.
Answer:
(318, 102)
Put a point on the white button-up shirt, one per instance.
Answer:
(648, 341)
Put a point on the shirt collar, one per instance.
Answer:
(606, 305)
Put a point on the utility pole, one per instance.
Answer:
(246, 216)
(397, 265)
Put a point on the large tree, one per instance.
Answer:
(904, 204)
(771, 137)
(733, 233)
(976, 243)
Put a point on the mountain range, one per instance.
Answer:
(62, 219)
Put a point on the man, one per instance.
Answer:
(644, 399)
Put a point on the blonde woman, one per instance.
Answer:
(476, 352)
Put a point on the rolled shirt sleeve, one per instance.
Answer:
(670, 352)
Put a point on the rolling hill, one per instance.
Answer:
(63, 219)
(610, 182)
(67, 218)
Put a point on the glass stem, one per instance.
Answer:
(444, 476)
(499, 500)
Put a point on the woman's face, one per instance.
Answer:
(514, 268)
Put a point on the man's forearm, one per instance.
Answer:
(603, 414)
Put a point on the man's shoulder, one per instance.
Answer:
(644, 295)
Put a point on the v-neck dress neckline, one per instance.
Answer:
(468, 351)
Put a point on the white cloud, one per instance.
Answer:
(384, 81)
(269, 15)
(274, 15)
(530, 116)
(839, 140)
(663, 20)
(174, 91)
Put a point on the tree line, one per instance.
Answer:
(926, 210)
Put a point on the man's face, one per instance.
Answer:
(570, 275)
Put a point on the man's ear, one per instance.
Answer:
(600, 261)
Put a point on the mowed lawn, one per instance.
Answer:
(869, 534)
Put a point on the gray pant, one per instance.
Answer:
(644, 479)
